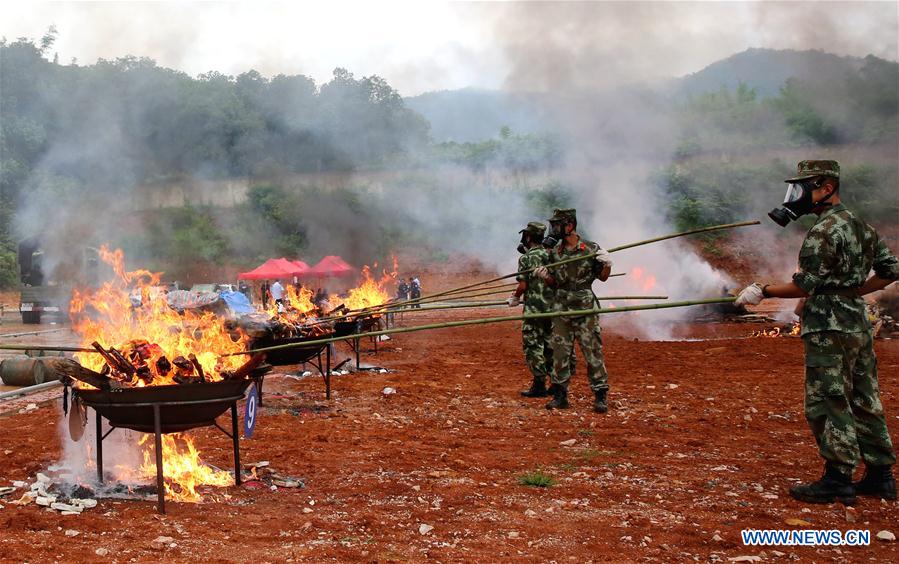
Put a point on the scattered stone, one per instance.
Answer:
(513, 534)
(101, 552)
(307, 510)
(568, 443)
(287, 483)
(851, 515)
(388, 391)
(85, 503)
(424, 529)
(745, 558)
(72, 533)
(530, 513)
(67, 512)
(161, 542)
(416, 488)
(307, 525)
(886, 536)
(672, 386)
(806, 510)
(796, 522)
(778, 553)
(717, 538)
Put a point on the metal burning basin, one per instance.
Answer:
(181, 407)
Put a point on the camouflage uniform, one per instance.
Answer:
(842, 399)
(536, 333)
(573, 291)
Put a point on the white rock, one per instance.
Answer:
(424, 529)
(161, 542)
(717, 538)
(101, 552)
(72, 533)
(307, 510)
(388, 391)
(530, 513)
(745, 558)
(513, 534)
(382, 371)
(416, 488)
(886, 536)
(672, 386)
(568, 443)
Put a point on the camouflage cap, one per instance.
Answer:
(534, 228)
(807, 170)
(564, 215)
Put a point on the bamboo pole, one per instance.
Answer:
(26, 347)
(486, 320)
(584, 257)
(458, 305)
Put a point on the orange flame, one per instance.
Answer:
(646, 282)
(152, 332)
(369, 292)
(182, 468)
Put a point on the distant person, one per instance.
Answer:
(264, 291)
(277, 292)
(415, 291)
(402, 291)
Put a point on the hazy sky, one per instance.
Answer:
(421, 46)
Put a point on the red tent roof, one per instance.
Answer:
(332, 266)
(272, 269)
(302, 265)
(295, 268)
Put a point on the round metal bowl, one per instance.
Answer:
(181, 407)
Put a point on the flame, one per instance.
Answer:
(300, 300)
(646, 282)
(369, 292)
(182, 469)
(150, 335)
(778, 332)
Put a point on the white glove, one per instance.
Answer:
(513, 301)
(604, 257)
(750, 295)
(542, 273)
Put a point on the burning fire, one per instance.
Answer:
(162, 346)
(154, 346)
(183, 470)
(645, 281)
(778, 332)
(369, 292)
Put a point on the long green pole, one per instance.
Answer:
(584, 257)
(486, 320)
(26, 347)
(458, 305)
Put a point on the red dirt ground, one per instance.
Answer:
(703, 438)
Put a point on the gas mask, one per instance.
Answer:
(522, 249)
(798, 202)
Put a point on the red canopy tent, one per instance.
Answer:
(331, 266)
(272, 269)
(302, 265)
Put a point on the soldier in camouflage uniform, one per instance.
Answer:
(535, 333)
(842, 398)
(573, 284)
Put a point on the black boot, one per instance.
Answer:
(538, 389)
(833, 486)
(560, 397)
(599, 405)
(878, 481)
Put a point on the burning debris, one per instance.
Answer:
(55, 495)
(152, 344)
(790, 330)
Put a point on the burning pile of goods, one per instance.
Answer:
(791, 330)
(301, 317)
(152, 344)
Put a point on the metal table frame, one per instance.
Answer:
(157, 432)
